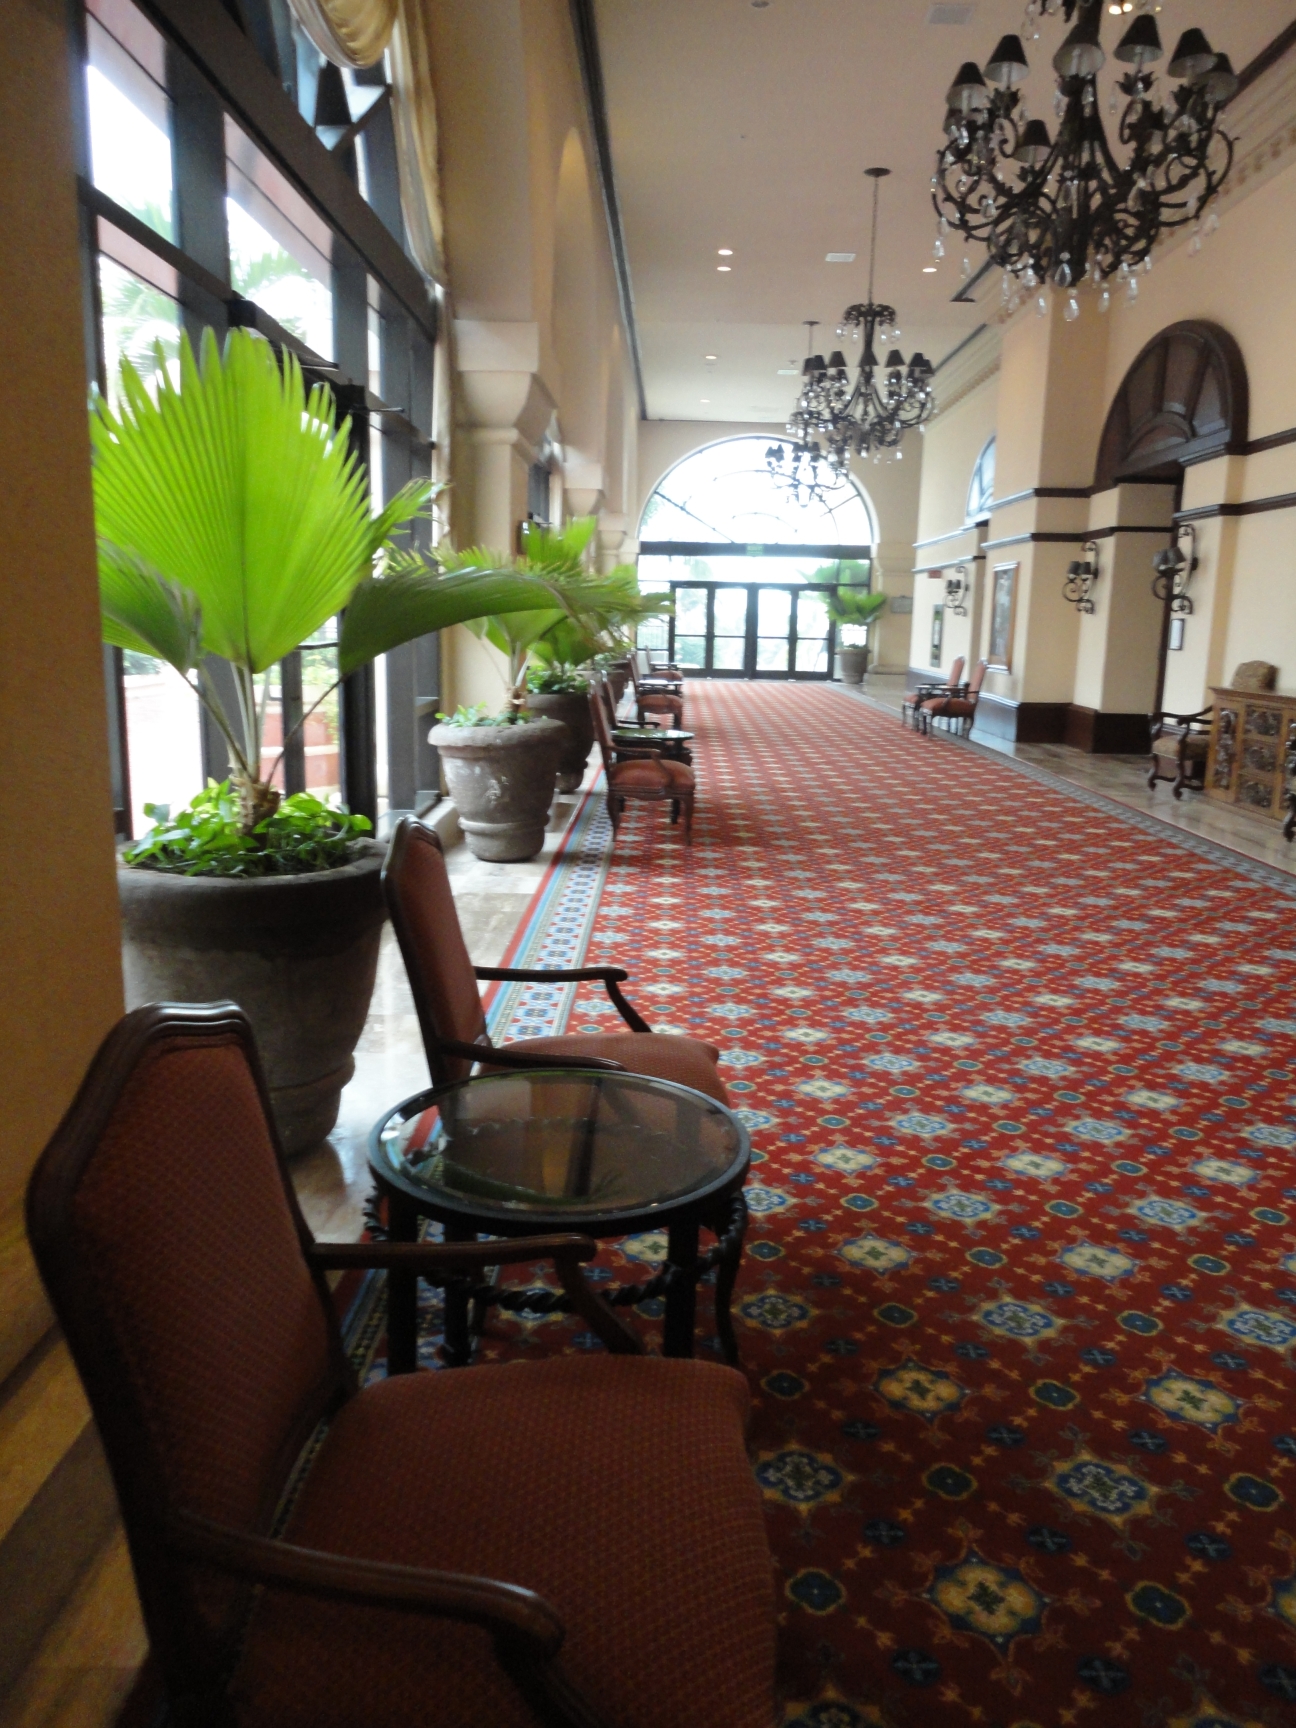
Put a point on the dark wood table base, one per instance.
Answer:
(467, 1305)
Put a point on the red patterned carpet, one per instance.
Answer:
(1018, 1304)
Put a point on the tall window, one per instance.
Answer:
(981, 488)
(207, 207)
(747, 560)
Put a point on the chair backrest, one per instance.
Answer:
(166, 1230)
(978, 678)
(600, 702)
(424, 917)
(642, 663)
(956, 671)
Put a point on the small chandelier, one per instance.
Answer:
(834, 419)
(1057, 211)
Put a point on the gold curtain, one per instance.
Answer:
(355, 33)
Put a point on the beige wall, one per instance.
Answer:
(58, 912)
(950, 448)
(540, 349)
(1048, 404)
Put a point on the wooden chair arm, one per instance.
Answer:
(508, 1610)
(609, 976)
(440, 1262)
(501, 1056)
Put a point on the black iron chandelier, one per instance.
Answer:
(835, 419)
(1057, 212)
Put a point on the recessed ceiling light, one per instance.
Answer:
(788, 372)
(705, 400)
(710, 356)
(839, 257)
(760, 5)
(724, 252)
(929, 269)
(724, 266)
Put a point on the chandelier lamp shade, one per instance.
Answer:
(837, 417)
(1062, 209)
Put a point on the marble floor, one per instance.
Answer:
(1124, 779)
(333, 1182)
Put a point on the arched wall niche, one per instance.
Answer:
(1185, 398)
(578, 335)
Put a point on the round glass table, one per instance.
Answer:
(545, 1150)
(671, 741)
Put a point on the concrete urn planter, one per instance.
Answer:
(572, 710)
(502, 781)
(852, 664)
(297, 953)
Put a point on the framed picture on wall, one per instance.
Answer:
(1003, 613)
(937, 634)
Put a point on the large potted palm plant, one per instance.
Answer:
(233, 522)
(501, 768)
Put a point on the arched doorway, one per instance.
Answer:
(750, 563)
(1184, 400)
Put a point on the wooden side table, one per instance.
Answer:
(1253, 753)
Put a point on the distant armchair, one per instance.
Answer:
(457, 1548)
(1180, 746)
(957, 708)
(658, 700)
(909, 708)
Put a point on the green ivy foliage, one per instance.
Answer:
(206, 838)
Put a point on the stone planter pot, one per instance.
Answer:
(852, 664)
(502, 781)
(618, 677)
(297, 953)
(572, 710)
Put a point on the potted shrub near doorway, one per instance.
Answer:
(233, 521)
(852, 610)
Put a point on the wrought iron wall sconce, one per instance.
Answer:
(1175, 569)
(1082, 578)
(957, 588)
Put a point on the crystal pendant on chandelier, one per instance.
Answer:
(836, 418)
(1064, 210)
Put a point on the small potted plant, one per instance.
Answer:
(233, 521)
(851, 610)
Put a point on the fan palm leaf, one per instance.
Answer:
(235, 486)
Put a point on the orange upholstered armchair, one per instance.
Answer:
(910, 707)
(642, 774)
(444, 983)
(567, 1543)
(956, 707)
(656, 698)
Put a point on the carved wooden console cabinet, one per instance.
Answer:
(1253, 751)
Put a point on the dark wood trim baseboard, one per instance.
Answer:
(1101, 734)
(1271, 440)
(1251, 507)
(1000, 718)
(1042, 492)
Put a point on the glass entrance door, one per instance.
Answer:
(747, 630)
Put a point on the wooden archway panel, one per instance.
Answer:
(1185, 398)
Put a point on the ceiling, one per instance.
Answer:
(748, 124)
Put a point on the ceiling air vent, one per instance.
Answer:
(950, 14)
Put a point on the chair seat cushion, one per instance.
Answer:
(662, 1055)
(1195, 746)
(671, 777)
(960, 707)
(617, 1487)
(659, 702)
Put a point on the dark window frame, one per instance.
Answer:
(214, 67)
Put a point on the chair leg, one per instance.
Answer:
(688, 818)
(675, 811)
